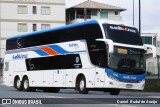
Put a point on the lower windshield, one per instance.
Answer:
(127, 60)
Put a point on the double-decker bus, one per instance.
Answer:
(91, 55)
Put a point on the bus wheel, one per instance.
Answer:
(18, 84)
(114, 91)
(26, 85)
(81, 85)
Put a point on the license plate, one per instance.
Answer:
(129, 85)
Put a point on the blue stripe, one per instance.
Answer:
(59, 49)
(62, 51)
(54, 29)
(125, 76)
(41, 53)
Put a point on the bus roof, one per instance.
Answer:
(53, 29)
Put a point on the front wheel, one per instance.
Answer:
(81, 85)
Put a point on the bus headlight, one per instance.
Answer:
(112, 77)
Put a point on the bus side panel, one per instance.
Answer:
(89, 74)
(8, 73)
(36, 78)
(69, 78)
(48, 78)
(59, 80)
(100, 78)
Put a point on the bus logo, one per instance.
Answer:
(73, 45)
(122, 28)
(77, 60)
(20, 56)
(129, 77)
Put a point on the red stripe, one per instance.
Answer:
(49, 51)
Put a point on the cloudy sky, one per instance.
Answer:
(150, 12)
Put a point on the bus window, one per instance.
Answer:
(6, 66)
(70, 61)
(98, 53)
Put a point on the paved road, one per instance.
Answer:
(65, 95)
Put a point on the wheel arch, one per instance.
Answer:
(25, 76)
(78, 77)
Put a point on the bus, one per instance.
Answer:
(92, 55)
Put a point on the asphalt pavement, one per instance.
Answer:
(71, 98)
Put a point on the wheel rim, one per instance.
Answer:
(18, 83)
(81, 85)
(26, 84)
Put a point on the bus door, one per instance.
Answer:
(59, 78)
(8, 73)
(68, 78)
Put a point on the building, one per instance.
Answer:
(92, 10)
(149, 38)
(21, 16)
(151, 63)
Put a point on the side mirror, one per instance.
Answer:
(109, 43)
(150, 49)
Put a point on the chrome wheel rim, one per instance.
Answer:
(26, 84)
(81, 85)
(18, 83)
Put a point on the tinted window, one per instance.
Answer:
(69, 61)
(98, 53)
(87, 32)
(122, 34)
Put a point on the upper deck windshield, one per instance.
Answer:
(122, 34)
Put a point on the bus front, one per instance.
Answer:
(126, 57)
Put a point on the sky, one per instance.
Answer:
(150, 13)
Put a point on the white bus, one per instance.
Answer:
(92, 55)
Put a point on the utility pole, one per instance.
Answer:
(133, 12)
(140, 17)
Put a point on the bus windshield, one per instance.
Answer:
(122, 34)
(127, 60)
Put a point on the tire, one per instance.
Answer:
(81, 85)
(26, 85)
(114, 91)
(18, 84)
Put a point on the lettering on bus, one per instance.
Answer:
(73, 45)
(20, 56)
(122, 29)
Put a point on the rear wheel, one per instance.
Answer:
(114, 91)
(18, 84)
(81, 85)
(26, 85)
